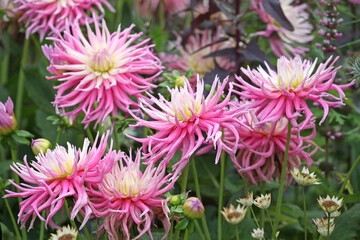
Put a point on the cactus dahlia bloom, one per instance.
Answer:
(128, 196)
(282, 40)
(187, 121)
(193, 53)
(8, 121)
(283, 93)
(58, 174)
(51, 15)
(262, 148)
(100, 73)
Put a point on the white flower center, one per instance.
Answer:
(101, 61)
(201, 65)
(129, 184)
(290, 73)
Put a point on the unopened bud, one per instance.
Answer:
(175, 200)
(193, 208)
(8, 122)
(179, 81)
(40, 145)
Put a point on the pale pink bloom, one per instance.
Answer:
(169, 6)
(127, 196)
(354, 1)
(262, 147)
(186, 122)
(8, 7)
(8, 121)
(59, 174)
(284, 93)
(192, 54)
(44, 16)
(282, 40)
(99, 74)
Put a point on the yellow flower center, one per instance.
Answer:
(201, 65)
(290, 73)
(101, 61)
(130, 184)
(66, 169)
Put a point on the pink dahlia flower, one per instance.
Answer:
(128, 196)
(193, 53)
(186, 122)
(58, 174)
(262, 147)
(282, 40)
(169, 6)
(283, 93)
(8, 122)
(50, 15)
(99, 74)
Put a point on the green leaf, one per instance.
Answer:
(20, 140)
(169, 76)
(191, 226)
(6, 233)
(182, 224)
(353, 198)
(23, 133)
(347, 224)
(188, 73)
(176, 73)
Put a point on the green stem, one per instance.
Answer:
(328, 228)
(171, 228)
(262, 211)
(305, 219)
(5, 68)
(268, 215)
(116, 140)
(67, 211)
(87, 233)
(198, 195)
(282, 181)
(17, 181)
(253, 214)
(186, 236)
(21, 82)
(119, 10)
(198, 229)
(183, 189)
(237, 231)
(42, 226)
(12, 217)
(89, 134)
(349, 175)
(58, 136)
(221, 195)
(106, 236)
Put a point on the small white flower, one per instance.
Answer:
(66, 232)
(329, 204)
(304, 178)
(234, 216)
(263, 201)
(247, 201)
(322, 226)
(258, 233)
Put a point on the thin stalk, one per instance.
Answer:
(116, 140)
(89, 134)
(268, 215)
(349, 175)
(5, 68)
(67, 211)
(328, 228)
(87, 233)
(21, 81)
(12, 217)
(186, 236)
(106, 236)
(237, 231)
(42, 226)
(171, 228)
(17, 181)
(305, 219)
(198, 229)
(253, 214)
(58, 136)
(183, 189)
(221, 195)
(262, 211)
(198, 195)
(282, 181)
(119, 10)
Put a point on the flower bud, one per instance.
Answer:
(8, 122)
(175, 200)
(40, 145)
(193, 208)
(179, 81)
